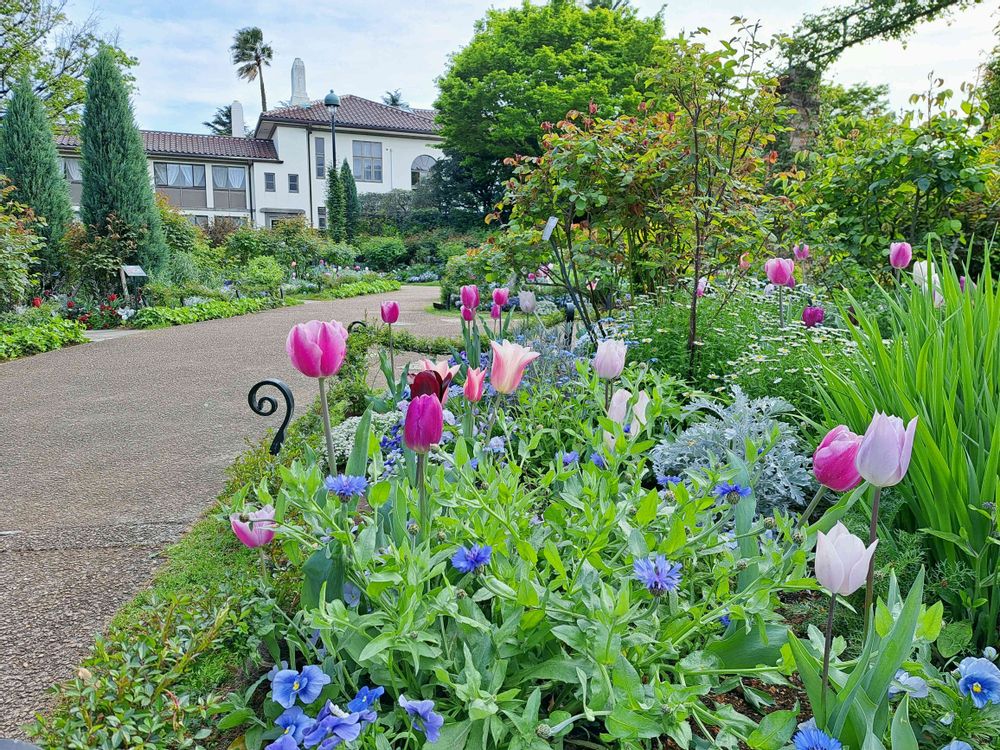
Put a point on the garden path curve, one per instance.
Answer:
(110, 450)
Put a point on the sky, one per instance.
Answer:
(364, 47)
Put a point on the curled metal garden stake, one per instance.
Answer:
(265, 406)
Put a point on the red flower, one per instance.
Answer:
(36, 301)
(112, 297)
(593, 107)
(70, 304)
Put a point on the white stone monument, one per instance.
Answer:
(299, 96)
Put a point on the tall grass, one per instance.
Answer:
(940, 363)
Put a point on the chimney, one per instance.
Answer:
(299, 96)
(238, 128)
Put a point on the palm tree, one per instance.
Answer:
(221, 122)
(251, 53)
(394, 99)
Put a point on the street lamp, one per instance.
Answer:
(332, 101)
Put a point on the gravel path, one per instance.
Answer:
(109, 451)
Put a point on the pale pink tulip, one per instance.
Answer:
(801, 252)
(256, 528)
(509, 363)
(842, 560)
(745, 261)
(833, 461)
(442, 368)
(884, 455)
(317, 349)
(527, 301)
(780, 270)
(609, 360)
(702, 286)
(474, 382)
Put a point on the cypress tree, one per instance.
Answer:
(115, 176)
(336, 206)
(29, 158)
(351, 202)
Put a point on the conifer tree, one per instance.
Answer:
(336, 206)
(351, 202)
(115, 176)
(29, 158)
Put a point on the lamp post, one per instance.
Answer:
(332, 101)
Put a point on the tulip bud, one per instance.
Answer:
(812, 316)
(496, 311)
(500, 296)
(527, 301)
(609, 361)
(801, 252)
(900, 254)
(744, 261)
(834, 460)
(390, 312)
(470, 296)
(474, 383)
(842, 560)
(317, 349)
(424, 423)
(884, 455)
(780, 270)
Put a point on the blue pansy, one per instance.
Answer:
(657, 574)
(305, 686)
(294, 723)
(366, 698)
(496, 444)
(275, 669)
(346, 487)
(333, 726)
(980, 680)
(725, 490)
(904, 682)
(570, 458)
(811, 738)
(423, 717)
(957, 745)
(284, 742)
(469, 559)
(598, 460)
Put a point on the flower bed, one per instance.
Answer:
(357, 288)
(162, 317)
(19, 340)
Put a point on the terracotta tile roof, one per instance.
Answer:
(160, 143)
(355, 112)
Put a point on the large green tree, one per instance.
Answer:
(115, 176)
(38, 41)
(28, 157)
(336, 206)
(252, 54)
(532, 64)
(352, 204)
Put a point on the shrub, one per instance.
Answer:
(19, 340)
(161, 317)
(263, 272)
(383, 253)
(483, 266)
(384, 213)
(17, 247)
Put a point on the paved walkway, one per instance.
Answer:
(109, 451)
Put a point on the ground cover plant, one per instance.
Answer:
(20, 339)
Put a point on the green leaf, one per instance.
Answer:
(901, 734)
(954, 637)
(624, 723)
(930, 623)
(648, 506)
(358, 462)
(234, 719)
(775, 730)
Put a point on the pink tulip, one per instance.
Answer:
(424, 423)
(842, 560)
(254, 529)
(609, 361)
(833, 461)
(801, 252)
(475, 379)
(812, 316)
(527, 301)
(900, 254)
(884, 455)
(509, 362)
(470, 296)
(442, 368)
(791, 282)
(779, 270)
(702, 286)
(531, 277)
(501, 295)
(496, 311)
(340, 329)
(618, 410)
(317, 349)
(468, 314)
(390, 312)
(745, 261)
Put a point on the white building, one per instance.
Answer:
(280, 171)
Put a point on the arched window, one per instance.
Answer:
(421, 169)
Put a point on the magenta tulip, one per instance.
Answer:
(496, 311)
(424, 423)
(702, 286)
(509, 363)
(317, 348)
(900, 254)
(884, 455)
(780, 270)
(842, 560)
(390, 312)
(475, 380)
(468, 314)
(801, 252)
(501, 295)
(470, 296)
(833, 461)
(812, 316)
(609, 361)
(254, 529)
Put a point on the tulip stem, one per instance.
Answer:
(331, 464)
(781, 306)
(870, 582)
(392, 357)
(804, 518)
(607, 394)
(828, 647)
(422, 506)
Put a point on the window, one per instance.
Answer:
(367, 161)
(73, 172)
(199, 220)
(293, 183)
(321, 216)
(183, 185)
(229, 187)
(421, 168)
(268, 182)
(320, 157)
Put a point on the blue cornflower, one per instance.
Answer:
(627, 429)
(294, 722)
(729, 491)
(469, 559)
(366, 698)
(957, 745)
(423, 717)
(598, 460)
(332, 727)
(305, 685)
(812, 738)
(284, 742)
(980, 680)
(725, 621)
(570, 458)
(346, 487)
(657, 574)
(904, 682)
(352, 594)
(664, 479)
